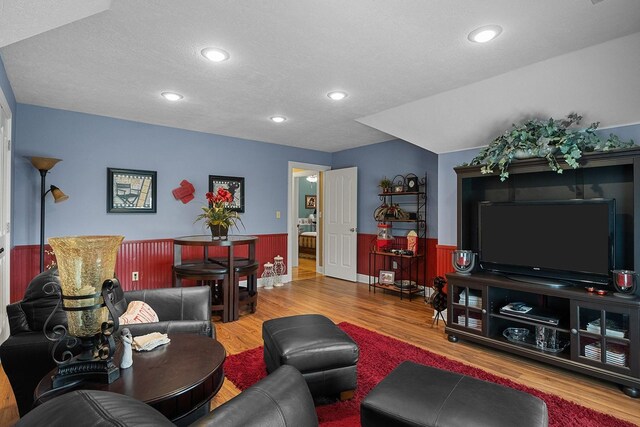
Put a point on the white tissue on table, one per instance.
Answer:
(150, 341)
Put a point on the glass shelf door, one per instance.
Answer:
(601, 337)
(468, 310)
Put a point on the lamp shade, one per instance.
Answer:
(44, 163)
(84, 263)
(58, 195)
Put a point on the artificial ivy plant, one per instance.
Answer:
(551, 139)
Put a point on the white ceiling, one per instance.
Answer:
(286, 55)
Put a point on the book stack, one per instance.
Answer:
(612, 329)
(614, 355)
(471, 300)
(469, 322)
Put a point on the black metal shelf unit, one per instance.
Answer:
(408, 269)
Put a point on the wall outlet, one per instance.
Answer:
(395, 265)
(134, 276)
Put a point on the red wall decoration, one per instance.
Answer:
(184, 192)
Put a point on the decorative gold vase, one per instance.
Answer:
(84, 263)
(86, 266)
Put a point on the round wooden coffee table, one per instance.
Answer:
(178, 379)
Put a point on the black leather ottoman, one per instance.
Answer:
(322, 352)
(417, 395)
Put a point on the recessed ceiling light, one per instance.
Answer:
(278, 119)
(171, 96)
(214, 54)
(337, 95)
(485, 34)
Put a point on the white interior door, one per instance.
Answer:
(341, 223)
(5, 209)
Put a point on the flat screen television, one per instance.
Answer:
(563, 240)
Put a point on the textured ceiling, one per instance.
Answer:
(287, 54)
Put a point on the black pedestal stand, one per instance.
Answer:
(95, 362)
(439, 300)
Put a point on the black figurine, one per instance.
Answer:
(439, 299)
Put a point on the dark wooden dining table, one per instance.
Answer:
(231, 243)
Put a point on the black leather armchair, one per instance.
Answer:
(26, 354)
(282, 399)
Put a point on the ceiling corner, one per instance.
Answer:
(21, 19)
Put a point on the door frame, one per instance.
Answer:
(5, 274)
(292, 223)
(295, 211)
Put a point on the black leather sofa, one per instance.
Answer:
(26, 354)
(280, 400)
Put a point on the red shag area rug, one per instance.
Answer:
(379, 355)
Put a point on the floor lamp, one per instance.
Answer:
(44, 165)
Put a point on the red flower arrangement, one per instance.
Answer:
(218, 213)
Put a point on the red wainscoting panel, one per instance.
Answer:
(443, 259)
(152, 259)
(432, 270)
(364, 246)
(366, 240)
(25, 263)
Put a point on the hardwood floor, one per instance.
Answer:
(306, 269)
(409, 321)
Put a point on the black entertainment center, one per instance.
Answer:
(546, 245)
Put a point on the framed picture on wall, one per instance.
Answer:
(386, 277)
(234, 185)
(131, 191)
(310, 201)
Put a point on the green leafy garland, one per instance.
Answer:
(549, 139)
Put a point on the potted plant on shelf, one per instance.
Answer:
(217, 215)
(385, 184)
(390, 212)
(551, 139)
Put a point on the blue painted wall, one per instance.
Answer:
(389, 159)
(447, 189)
(305, 188)
(89, 144)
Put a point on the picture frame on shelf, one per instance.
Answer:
(386, 277)
(131, 191)
(234, 185)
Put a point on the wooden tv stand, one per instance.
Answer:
(474, 314)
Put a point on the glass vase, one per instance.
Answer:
(84, 263)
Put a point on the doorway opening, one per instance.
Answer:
(304, 246)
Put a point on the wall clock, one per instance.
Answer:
(412, 183)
